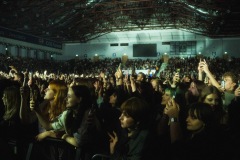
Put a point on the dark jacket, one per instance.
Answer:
(140, 146)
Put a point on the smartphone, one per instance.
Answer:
(174, 95)
(223, 84)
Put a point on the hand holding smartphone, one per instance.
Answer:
(223, 84)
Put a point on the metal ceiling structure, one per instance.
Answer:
(84, 20)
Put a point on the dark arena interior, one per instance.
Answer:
(119, 79)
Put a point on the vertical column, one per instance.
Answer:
(44, 55)
(7, 51)
(225, 56)
(51, 56)
(28, 53)
(36, 54)
(165, 58)
(124, 58)
(95, 58)
(199, 55)
(76, 58)
(18, 51)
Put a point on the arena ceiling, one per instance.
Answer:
(85, 20)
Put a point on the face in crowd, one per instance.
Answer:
(57, 91)
(141, 77)
(193, 122)
(167, 96)
(79, 96)
(49, 93)
(212, 99)
(72, 99)
(229, 84)
(113, 99)
(135, 114)
(212, 96)
(126, 120)
(155, 84)
(200, 116)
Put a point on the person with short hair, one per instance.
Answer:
(229, 83)
(139, 141)
(141, 77)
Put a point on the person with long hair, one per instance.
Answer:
(11, 107)
(78, 122)
(10, 123)
(194, 91)
(203, 141)
(53, 105)
(212, 96)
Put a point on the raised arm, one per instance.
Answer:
(203, 65)
(200, 71)
(119, 77)
(172, 110)
(25, 114)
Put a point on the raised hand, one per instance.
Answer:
(237, 92)
(200, 69)
(133, 84)
(126, 78)
(32, 105)
(102, 75)
(172, 109)
(113, 141)
(204, 66)
(118, 73)
(24, 92)
(96, 85)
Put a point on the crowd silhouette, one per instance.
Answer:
(188, 110)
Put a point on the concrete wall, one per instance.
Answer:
(207, 47)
